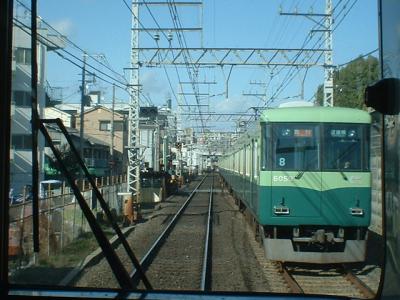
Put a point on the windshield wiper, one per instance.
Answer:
(300, 174)
(343, 175)
(307, 168)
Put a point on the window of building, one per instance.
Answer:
(22, 98)
(105, 126)
(119, 126)
(23, 56)
(22, 142)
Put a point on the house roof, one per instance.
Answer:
(76, 134)
(91, 140)
(97, 107)
(57, 110)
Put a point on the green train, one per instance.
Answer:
(303, 175)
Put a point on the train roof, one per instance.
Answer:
(315, 114)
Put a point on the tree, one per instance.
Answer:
(351, 81)
(68, 158)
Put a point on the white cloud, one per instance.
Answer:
(235, 104)
(152, 83)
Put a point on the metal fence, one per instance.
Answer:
(60, 218)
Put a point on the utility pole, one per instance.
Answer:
(179, 116)
(83, 99)
(112, 133)
(327, 30)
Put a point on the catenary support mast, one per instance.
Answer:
(133, 130)
(328, 83)
(326, 28)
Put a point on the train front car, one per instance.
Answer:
(315, 184)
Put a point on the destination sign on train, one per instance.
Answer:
(303, 133)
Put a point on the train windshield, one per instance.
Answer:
(310, 147)
(346, 147)
(296, 147)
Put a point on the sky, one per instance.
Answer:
(102, 29)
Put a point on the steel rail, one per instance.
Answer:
(146, 260)
(205, 275)
(358, 283)
(292, 283)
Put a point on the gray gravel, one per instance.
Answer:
(237, 262)
(178, 263)
(235, 265)
(140, 240)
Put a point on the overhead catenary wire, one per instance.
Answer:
(165, 70)
(182, 41)
(361, 56)
(305, 42)
(290, 74)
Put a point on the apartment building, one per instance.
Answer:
(21, 133)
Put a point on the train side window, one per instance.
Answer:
(266, 158)
(244, 161)
(255, 159)
(248, 160)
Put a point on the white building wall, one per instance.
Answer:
(21, 163)
(53, 113)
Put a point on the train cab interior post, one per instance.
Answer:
(281, 209)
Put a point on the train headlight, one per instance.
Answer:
(356, 211)
(352, 133)
(281, 210)
(286, 132)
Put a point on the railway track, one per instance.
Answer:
(179, 257)
(173, 250)
(328, 280)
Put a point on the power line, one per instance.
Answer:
(72, 43)
(137, 19)
(20, 25)
(361, 56)
(290, 74)
(122, 86)
(182, 40)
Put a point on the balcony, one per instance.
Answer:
(96, 162)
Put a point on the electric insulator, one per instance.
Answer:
(170, 36)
